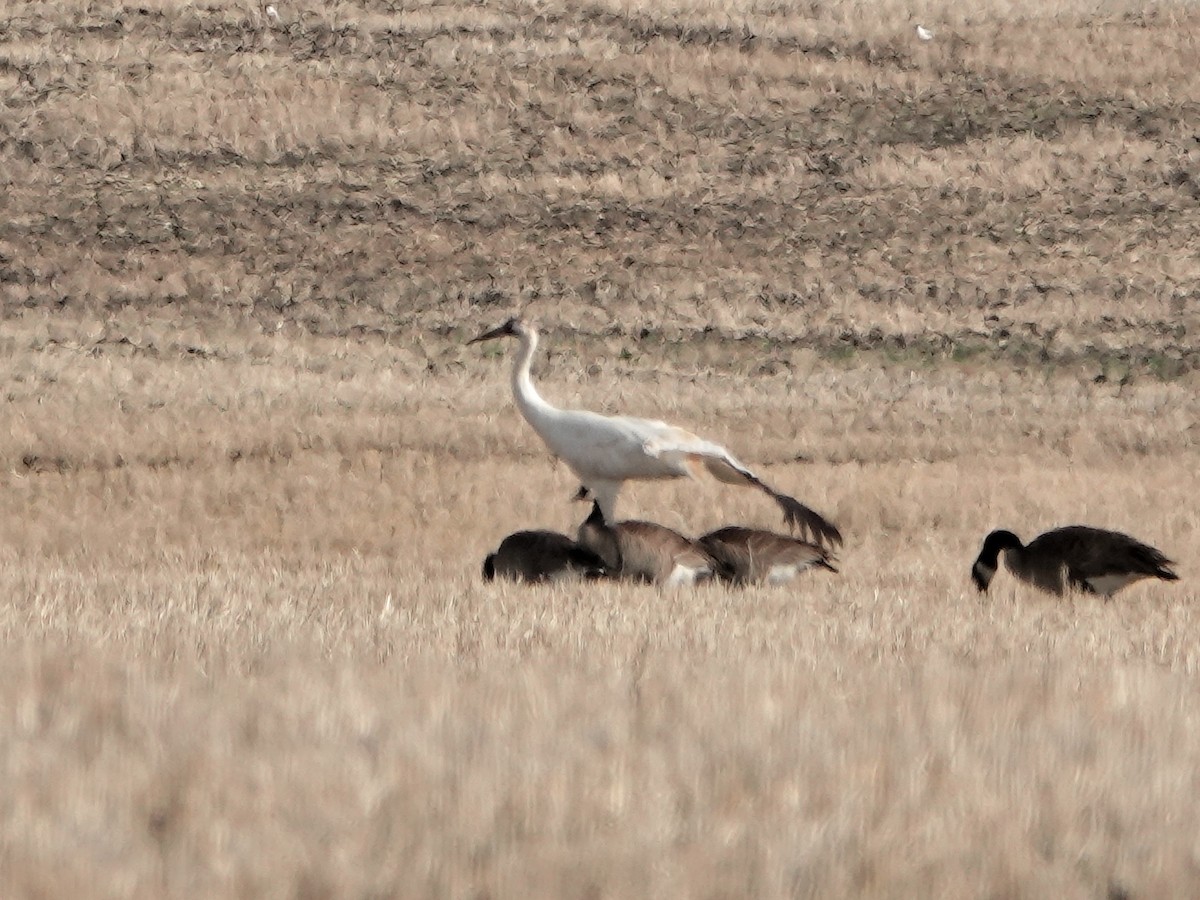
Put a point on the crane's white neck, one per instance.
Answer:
(529, 401)
(561, 430)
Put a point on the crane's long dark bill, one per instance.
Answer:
(502, 331)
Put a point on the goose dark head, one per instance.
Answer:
(597, 536)
(596, 516)
(985, 565)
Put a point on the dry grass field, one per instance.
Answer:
(250, 470)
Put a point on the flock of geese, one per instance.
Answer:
(606, 451)
(649, 552)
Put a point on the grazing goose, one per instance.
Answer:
(542, 556)
(645, 551)
(1076, 557)
(606, 451)
(753, 556)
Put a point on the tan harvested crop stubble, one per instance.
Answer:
(250, 471)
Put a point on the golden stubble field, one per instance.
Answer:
(251, 470)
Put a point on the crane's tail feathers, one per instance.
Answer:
(797, 516)
(807, 521)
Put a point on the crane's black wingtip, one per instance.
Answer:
(799, 517)
(830, 537)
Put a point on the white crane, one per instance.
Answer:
(606, 451)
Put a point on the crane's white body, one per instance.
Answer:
(606, 451)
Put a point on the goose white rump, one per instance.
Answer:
(606, 451)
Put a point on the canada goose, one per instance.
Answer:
(1077, 557)
(751, 555)
(542, 556)
(645, 551)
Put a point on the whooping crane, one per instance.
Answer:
(1077, 557)
(272, 13)
(645, 551)
(606, 451)
(542, 556)
(924, 33)
(754, 556)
